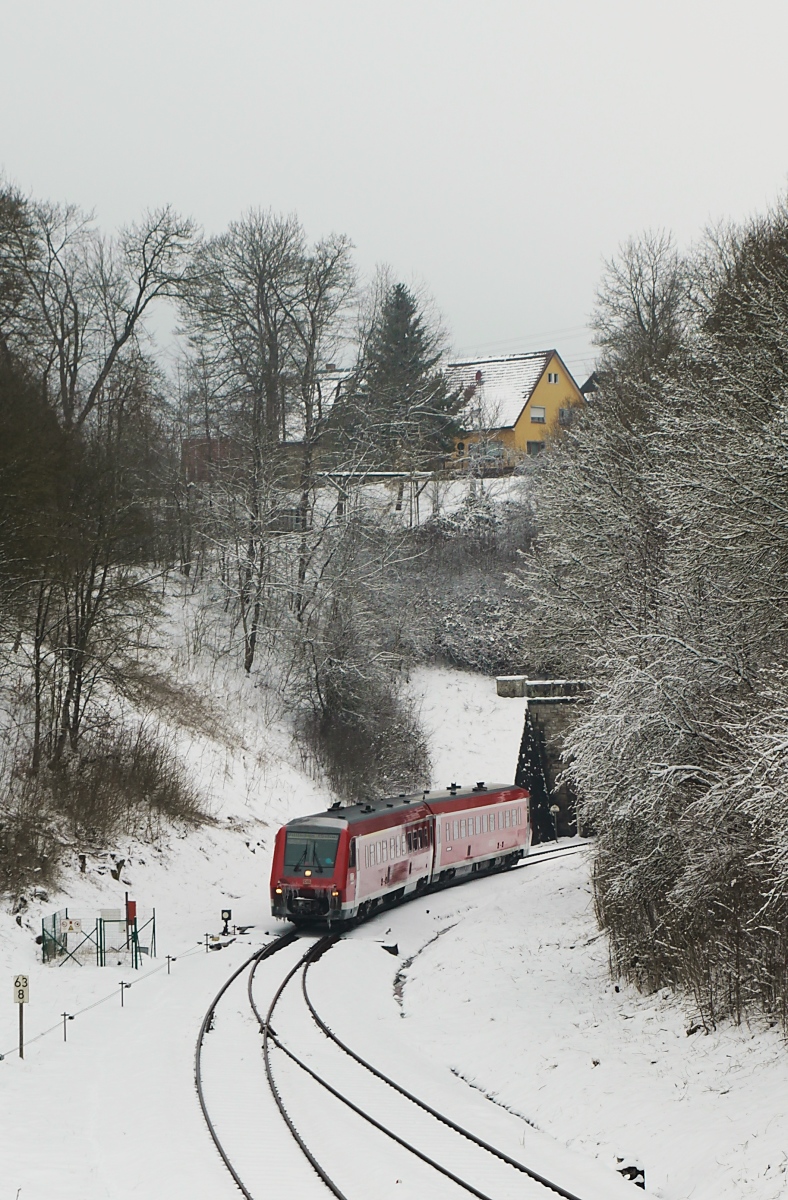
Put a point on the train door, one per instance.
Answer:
(434, 834)
(352, 872)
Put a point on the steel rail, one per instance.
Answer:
(256, 958)
(512, 1162)
(553, 853)
(264, 1022)
(311, 956)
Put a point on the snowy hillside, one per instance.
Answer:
(502, 987)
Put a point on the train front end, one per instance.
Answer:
(309, 870)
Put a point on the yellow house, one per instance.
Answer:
(511, 404)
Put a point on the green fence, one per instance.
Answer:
(108, 940)
(67, 938)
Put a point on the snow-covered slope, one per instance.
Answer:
(512, 997)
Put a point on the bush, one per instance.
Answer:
(367, 737)
(126, 783)
(29, 847)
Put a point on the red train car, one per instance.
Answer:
(343, 864)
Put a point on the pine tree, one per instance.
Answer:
(401, 408)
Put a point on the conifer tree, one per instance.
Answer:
(400, 408)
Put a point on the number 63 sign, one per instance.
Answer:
(21, 989)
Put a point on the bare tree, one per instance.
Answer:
(642, 305)
(82, 297)
(266, 313)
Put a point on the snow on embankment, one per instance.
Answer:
(529, 1014)
(513, 996)
(113, 1113)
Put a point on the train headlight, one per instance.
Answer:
(278, 891)
(307, 872)
(335, 892)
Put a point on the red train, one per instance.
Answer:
(343, 864)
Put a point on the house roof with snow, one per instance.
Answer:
(497, 390)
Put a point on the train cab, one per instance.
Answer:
(310, 868)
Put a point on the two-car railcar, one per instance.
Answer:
(345, 863)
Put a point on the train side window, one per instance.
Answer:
(456, 830)
(352, 858)
(377, 852)
(462, 827)
(392, 849)
(385, 850)
(410, 841)
(507, 818)
(447, 831)
(478, 824)
(366, 856)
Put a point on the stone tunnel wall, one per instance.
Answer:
(552, 706)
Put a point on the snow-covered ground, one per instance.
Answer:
(502, 1000)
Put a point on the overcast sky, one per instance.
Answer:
(496, 151)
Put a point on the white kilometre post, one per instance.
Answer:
(21, 997)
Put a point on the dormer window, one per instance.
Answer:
(552, 377)
(538, 415)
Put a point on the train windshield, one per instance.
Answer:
(310, 850)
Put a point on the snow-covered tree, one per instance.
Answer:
(398, 406)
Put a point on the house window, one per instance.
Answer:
(460, 447)
(564, 416)
(537, 415)
(534, 448)
(552, 377)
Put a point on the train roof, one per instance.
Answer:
(352, 814)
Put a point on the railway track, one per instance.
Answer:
(331, 1098)
(451, 1159)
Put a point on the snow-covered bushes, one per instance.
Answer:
(454, 585)
(366, 735)
(348, 672)
(659, 570)
(123, 783)
(127, 783)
